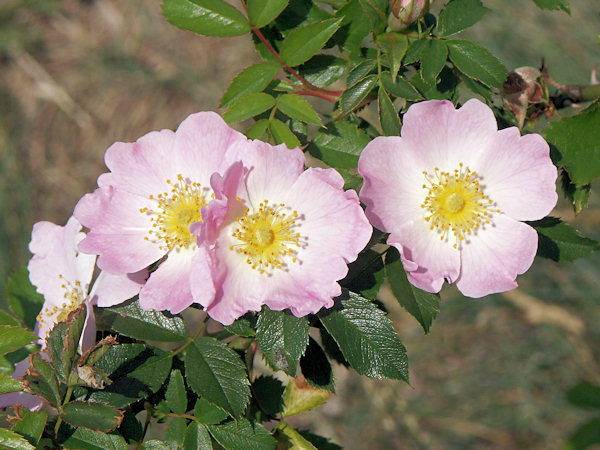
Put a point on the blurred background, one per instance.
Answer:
(77, 75)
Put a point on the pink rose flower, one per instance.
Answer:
(275, 235)
(155, 189)
(63, 275)
(452, 192)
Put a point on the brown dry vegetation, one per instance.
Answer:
(75, 76)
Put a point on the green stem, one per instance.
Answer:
(191, 338)
(66, 400)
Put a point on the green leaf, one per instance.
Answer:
(401, 88)
(83, 438)
(553, 4)
(131, 320)
(258, 129)
(8, 319)
(197, 436)
(433, 60)
(297, 108)
(14, 338)
(282, 337)
(366, 337)
(585, 394)
(388, 115)
(339, 145)
(23, 299)
(316, 368)
(287, 437)
(267, 392)
(352, 179)
(366, 274)
(575, 144)
(136, 371)
(561, 242)
(319, 441)
(445, 89)
(299, 397)
(395, 46)
(31, 425)
(175, 394)
(207, 413)
(459, 15)
(41, 380)
(249, 106)
(282, 134)
(131, 428)
(94, 416)
(304, 42)
(332, 349)
(478, 88)
(63, 341)
(206, 17)
(9, 384)
(360, 71)
(414, 51)
(585, 436)
(377, 11)
(477, 62)
(263, 12)
(353, 29)
(217, 373)
(250, 80)
(244, 326)
(242, 435)
(424, 306)
(176, 431)
(353, 96)
(155, 444)
(14, 441)
(322, 70)
(579, 196)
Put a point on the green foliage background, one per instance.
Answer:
(77, 75)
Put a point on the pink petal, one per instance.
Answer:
(110, 289)
(518, 175)
(88, 335)
(169, 286)
(494, 257)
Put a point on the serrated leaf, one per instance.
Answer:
(267, 392)
(400, 88)
(366, 274)
(9, 439)
(585, 436)
(131, 320)
(176, 431)
(445, 89)
(299, 13)
(353, 29)
(477, 62)
(459, 15)
(395, 46)
(287, 437)
(414, 51)
(575, 143)
(299, 397)
(332, 348)
(83, 438)
(9, 384)
(424, 306)
(561, 242)
(8, 319)
(197, 436)
(316, 368)
(478, 88)
(250, 80)
(136, 371)
(249, 106)
(433, 60)
(207, 413)
(339, 145)
(388, 115)
(553, 5)
(41, 380)
(244, 326)
(63, 341)
(217, 373)
(322, 70)
(23, 299)
(377, 11)
(282, 338)
(353, 96)
(360, 71)
(366, 337)
(263, 12)
(297, 108)
(206, 17)
(155, 444)
(585, 394)
(31, 425)
(282, 134)
(175, 394)
(94, 416)
(302, 43)
(14, 338)
(242, 435)
(319, 441)
(577, 195)
(258, 129)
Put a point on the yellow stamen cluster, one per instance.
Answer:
(268, 237)
(455, 203)
(175, 211)
(73, 297)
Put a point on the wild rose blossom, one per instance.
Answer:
(62, 275)
(143, 207)
(275, 235)
(452, 192)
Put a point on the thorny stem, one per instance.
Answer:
(191, 338)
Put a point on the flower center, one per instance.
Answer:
(175, 211)
(455, 203)
(73, 297)
(268, 237)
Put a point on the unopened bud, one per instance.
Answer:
(405, 12)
